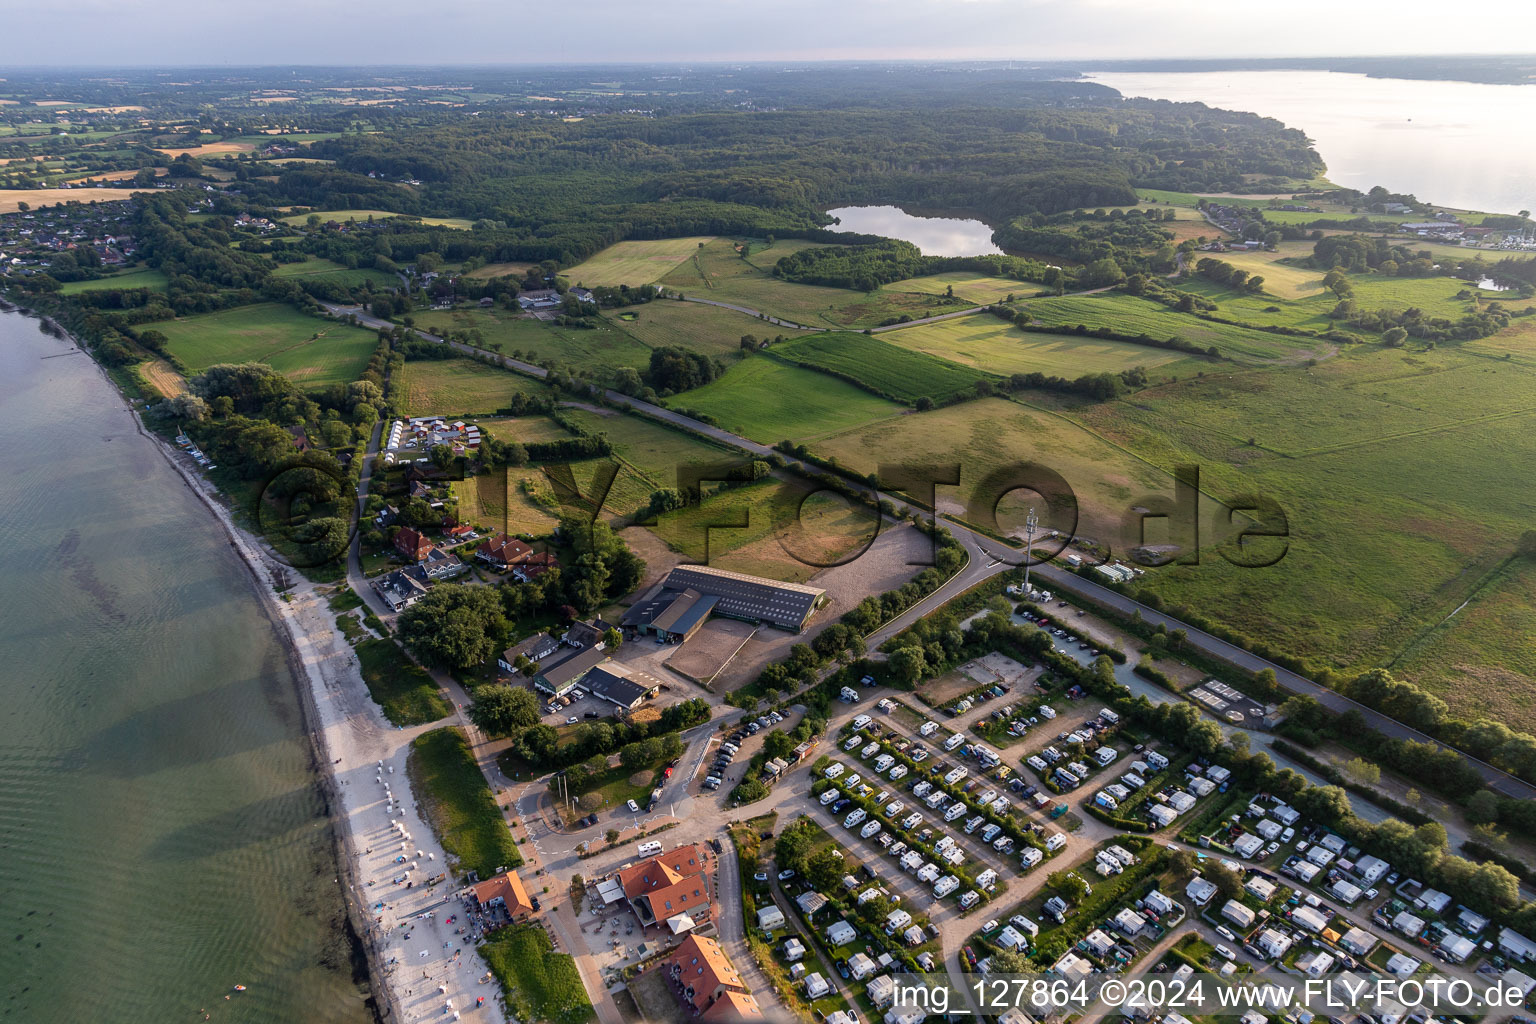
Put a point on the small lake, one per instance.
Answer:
(935, 236)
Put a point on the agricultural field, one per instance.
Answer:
(718, 272)
(995, 346)
(1280, 279)
(12, 198)
(523, 429)
(695, 326)
(326, 270)
(494, 270)
(511, 333)
(459, 387)
(648, 448)
(162, 377)
(460, 223)
(1130, 315)
(968, 286)
(768, 401)
(900, 374)
(210, 149)
(990, 433)
(634, 263)
(143, 277)
(307, 350)
(1354, 450)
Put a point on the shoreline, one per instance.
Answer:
(347, 735)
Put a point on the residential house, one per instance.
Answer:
(441, 565)
(502, 552)
(668, 886)
(535, 565)
(535, 648)
(413, 547)
(400, 589)
(505, 890)
(586, 634)
(707, 984)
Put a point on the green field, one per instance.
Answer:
(308, 350)
(405, 692)
(1130, 315)
(142, 278)
(900, 374)
(719, 273)
(768, 401)
(460, 387)
(511, 333)
(992, 345)
(326, 270)
(458, 803)
(537, 983)
(1280, 279)
(969, 287)
(460, 223)
(634, 263)
(697, 327)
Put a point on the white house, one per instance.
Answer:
(1274, 943)
(1200, 890)
(1239, 914)
(840, 934)
(1311, 919)
(769, 918)
(1263, 888)
(1409, 924)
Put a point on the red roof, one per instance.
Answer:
(412, 544)
(506, 550)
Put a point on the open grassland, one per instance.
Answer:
(634, 263)
(307, 350)
(459, 804)
(326, 270)
(515, 500)
(969, 287)
(1468, 659)
(142, 278)
(900, 374)
(768, 528)
(12, 198)
(1280, 279)
(537, 983)
(494, 270)
(523, 429)
(1401, 475)
(403, 690)
(460, 223)
(459, 387)
(650, 449)
(210, 149)
(718, 272)
(1130, 315)
(768, 401)
(995, 346)
(162, 377)
(1516, 343)
(537, 340)
(695, 326)
(990, 433)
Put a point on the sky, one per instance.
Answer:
(327, 32)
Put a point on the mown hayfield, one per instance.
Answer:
(538, 340)
(976, 288)
(523, 429)
(210, 149)
(12, 198)
(695, 326)
(652, 450)
(460, 387)
(768, 401)
(992, 432)
(994, 346)
(308, 350)
(1130, 315)
(1280, 279)
(162, 376)
(634, 262)
(719, 273)
(494, 270)
(145, 277)
(900, 374)
(346, 216)
(327, 270)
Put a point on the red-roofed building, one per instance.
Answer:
(412, 545)
(505, 890)
(706, 983)
(536, 565)
(503, 552)
(668, 886)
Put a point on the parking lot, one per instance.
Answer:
(726, 763)
(1229, 704)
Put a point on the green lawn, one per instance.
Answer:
(995, 346)
(695, 326)
(327, 270)
(968, 286)
(459, 804)
(141, 278)
(634, 263)
(402, 689)
(605, 347)
(891, 371)
(538, 983)
(310, 351)
(768, 400)
(460, 387)
(719, 273)
(1130, 315)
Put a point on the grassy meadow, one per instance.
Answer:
(768, 401)
(347, 216)
(460, 387)
(969, 287)
(634, 263)
(697, 327)
(326, 270)
(144, 277)
(511, 333)
(403, 690)
(1129, 314)
(458, 803)
(895, 372)
(989, 344)
(308, 350)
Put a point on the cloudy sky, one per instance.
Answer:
(204, 32)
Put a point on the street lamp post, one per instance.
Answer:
(1031, 522)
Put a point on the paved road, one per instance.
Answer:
(758, 314)
(927, 320)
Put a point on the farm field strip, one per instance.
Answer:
(308, 350)
(892, 371)
(634, 262)
(992, 345)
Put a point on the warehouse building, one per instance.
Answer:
(675, 608)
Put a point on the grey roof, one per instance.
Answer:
(568, 669)
(538, 646)
(618, 686)
(787, 605)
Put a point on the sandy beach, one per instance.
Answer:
(422, 966)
